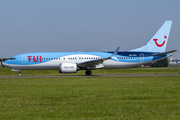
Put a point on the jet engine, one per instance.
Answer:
(67, 68)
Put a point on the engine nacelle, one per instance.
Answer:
(67, 68)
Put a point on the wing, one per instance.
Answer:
(93, 63)
(98, 62)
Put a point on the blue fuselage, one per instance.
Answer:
(52, 60)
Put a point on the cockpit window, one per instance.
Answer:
(12, 58)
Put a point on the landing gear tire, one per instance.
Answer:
(20, 74)
(88, 72)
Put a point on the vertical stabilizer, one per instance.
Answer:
(159, 41)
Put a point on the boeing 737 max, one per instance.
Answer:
(71, 62)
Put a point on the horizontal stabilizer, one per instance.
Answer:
(164, 53)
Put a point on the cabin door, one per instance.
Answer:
(23, 59)
(141, 57)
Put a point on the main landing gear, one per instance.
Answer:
(88, 72)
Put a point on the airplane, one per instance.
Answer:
(71, 62)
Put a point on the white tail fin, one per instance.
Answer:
(159, 41)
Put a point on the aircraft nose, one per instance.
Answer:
(5, 63)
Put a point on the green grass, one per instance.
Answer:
(90, 98)
(166, 70)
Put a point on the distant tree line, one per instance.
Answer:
(161, 63)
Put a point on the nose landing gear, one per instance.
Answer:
(19, 71)
(20, 74)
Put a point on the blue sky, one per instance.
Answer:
(86, 25)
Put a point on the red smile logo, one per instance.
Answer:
(159, 45)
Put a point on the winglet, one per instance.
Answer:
(115, 52)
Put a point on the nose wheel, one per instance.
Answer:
(88, 72)
(20, 74)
